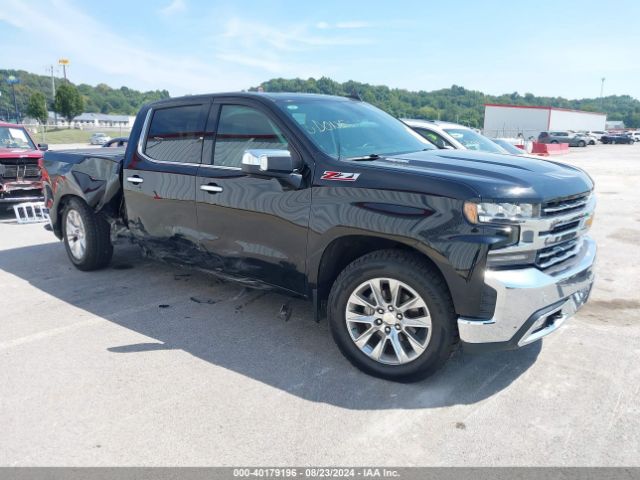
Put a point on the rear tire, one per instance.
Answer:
(582, 143)
(385, 350)
(86, 236)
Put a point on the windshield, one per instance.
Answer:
(350, 129)
(15, 137)
(509, 147)
(474, 141)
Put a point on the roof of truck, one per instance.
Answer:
(274, 96)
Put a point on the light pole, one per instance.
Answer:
(53, 94)
(64, 62)
(602, 93)
(12, 80)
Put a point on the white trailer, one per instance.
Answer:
(512, 121)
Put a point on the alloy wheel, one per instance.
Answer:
(388, 321)
(76, 234)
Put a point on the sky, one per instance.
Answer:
(190, 46)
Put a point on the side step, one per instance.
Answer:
(31, 212)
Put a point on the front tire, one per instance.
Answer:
(86, 236)
(391, 315)
(582, 143)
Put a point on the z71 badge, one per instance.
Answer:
(340, 176)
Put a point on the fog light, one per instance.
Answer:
(589, 221)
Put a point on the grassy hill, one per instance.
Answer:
(455, 104)
(101, 98)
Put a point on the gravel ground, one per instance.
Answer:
(145, 364)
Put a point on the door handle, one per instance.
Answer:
(135, 179)
(211, 188)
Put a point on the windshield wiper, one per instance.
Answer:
(364, 158)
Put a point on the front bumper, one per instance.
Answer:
(15, 191)
(530, 303)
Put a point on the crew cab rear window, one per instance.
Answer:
(175, 134)
(243, 128)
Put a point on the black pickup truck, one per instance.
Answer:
(408, 250)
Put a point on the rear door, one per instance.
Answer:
(253, 228)
(160, 180)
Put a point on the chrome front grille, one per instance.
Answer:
(565, 205)
(555, 236)
(547, 257)
(567, 227)
(12, 170)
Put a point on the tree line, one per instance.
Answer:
(455, 104)
(35, 91)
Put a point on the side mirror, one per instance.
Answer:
(266, 162)
(43, 146)
(273, 163)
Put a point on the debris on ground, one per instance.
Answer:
(285, 312)
(122, 266)
(163, 305)
(209, 301)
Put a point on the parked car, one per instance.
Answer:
(614, 138)
(99, 139)
(573, 139)
(591, 138)
(406, 249)
(635, 135)
(20, 177)
(509, 147)
(452, 135)
(116, 142)
(597, 133)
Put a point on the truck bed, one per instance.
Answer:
(79, 155)
(92, 174)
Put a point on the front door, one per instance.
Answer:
(253, 228)
(160, 181)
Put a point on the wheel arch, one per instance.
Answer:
(344, 249)
(61, 205)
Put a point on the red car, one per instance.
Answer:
(20, 176)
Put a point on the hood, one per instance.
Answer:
(495, 176)
(19, 153)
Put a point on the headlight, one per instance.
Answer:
(498, 212)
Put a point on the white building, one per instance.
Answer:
(97, 120)
(511, 121)
(615, 125)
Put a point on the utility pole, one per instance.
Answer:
(44, 124)
(53, 93)
(53, 83)
(11, 80)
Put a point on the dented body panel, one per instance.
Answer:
(91, 174)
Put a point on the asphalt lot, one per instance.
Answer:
(95, 371)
